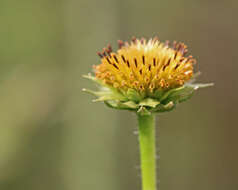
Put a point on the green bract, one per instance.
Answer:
(144, 104)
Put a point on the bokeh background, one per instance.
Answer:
(53, 137)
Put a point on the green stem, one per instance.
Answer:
(147, 151)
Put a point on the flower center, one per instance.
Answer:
(145, 65)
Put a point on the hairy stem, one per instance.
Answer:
(147, 151)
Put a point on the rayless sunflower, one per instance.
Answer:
(145, 77)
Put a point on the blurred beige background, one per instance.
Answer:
(53, 137)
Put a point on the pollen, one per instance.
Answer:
(145, 65)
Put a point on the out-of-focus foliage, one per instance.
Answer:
(52, 137)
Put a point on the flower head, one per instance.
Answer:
(145, 76)
(145, 66)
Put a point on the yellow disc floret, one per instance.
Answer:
(145, 65)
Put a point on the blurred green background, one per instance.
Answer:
(53, 137)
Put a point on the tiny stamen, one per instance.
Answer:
(115, 66)
(108, 50)
(166, 43)
(108, 61)
(135, 62)
(143, 40)
(167, 64)
(176, 66)
(100, 55)
(123, 58)
(175, 55)
(155, 39)
(154, 62)
(105, 50)
(174, 45)
(128, 64)
(133, 39)
(109, 47)
(120, 44)
(143, 59)
(115, 57)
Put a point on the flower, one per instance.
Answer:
(145, 76)
(145, 66)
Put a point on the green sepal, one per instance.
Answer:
(180, 95)
(133, 95)
(92, 78)
(164, 108)
(129, 105)
(168, 93)
(185, 93)
(194, 77)
(158, 94)
(143, 111)
(199, 85)
(149, 102)
(102, 85)
(105, 94)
